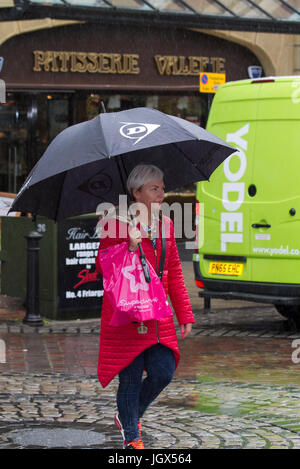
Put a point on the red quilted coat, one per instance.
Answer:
(120, 345)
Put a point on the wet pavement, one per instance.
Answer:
(237, 385)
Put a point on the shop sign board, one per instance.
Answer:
(79, 284)
(94, 56)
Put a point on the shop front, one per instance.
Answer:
(58, 77)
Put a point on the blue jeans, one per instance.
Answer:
(134, 394)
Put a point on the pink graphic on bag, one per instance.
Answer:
(134, 273)
(132, 298)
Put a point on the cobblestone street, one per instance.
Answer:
(237, 385)
(204, 413)
(135, 136)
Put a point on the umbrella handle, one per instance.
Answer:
(144, 264)
(142, 255)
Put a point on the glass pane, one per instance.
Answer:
(244, 9)
(139, 5)
(58, 116)
(278, 9)
(88, 3)
(168, 5)
(88, 105)
(52, 116)
(295, 4)
(28, 122)
(13, 137)
(47, 2)
(207, 7)
(191, 108)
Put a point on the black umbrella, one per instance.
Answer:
(88, 163)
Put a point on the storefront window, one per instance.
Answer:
(13, 142)
(52, 116)
(192, 108)
(30, 121)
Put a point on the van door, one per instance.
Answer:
(274, 190)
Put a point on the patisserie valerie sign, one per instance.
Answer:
(115, 63)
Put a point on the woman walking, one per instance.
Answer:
(128, 350)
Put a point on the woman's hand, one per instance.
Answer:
(185, 329)
(135, 237)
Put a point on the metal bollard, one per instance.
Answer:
(206, 304)
(32, 317)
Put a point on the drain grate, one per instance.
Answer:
(56, 436)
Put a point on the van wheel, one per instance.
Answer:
(292, 313)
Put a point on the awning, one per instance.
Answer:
(281, 16)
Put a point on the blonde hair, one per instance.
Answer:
(141, 175)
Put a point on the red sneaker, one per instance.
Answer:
(132, 444)
(137, 444)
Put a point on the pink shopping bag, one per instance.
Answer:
(132, 298)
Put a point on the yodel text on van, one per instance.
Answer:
(232, 219)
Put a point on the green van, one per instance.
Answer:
(249, 247)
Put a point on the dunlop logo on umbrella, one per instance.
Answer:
(137, 131)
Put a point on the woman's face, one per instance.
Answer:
(151, 195)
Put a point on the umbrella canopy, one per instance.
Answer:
(88, 163)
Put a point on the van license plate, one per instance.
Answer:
(225, 268)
